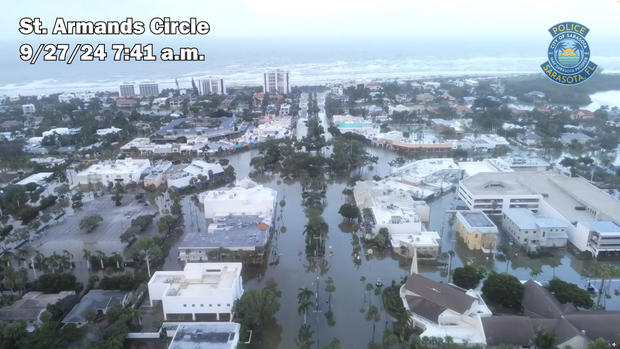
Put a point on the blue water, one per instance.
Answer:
(241, 61)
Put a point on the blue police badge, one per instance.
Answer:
(569, 54)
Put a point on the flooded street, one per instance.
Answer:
(291, 269)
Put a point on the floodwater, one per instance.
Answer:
(290, 268)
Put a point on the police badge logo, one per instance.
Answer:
(569, 54)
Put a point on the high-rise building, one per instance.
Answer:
(126, 90)
(276, 81)
(211, 85)
(148, 89)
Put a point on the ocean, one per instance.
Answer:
(241, 61)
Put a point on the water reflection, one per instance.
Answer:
(292, 267)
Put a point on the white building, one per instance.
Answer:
(28, 109)
(69, 96)
(471, 168)
(597, 237)
(211, 86)
(197, 169)
(426, 244)
(245, 198)
(37, 178)
(157, 174)
(148, 89)
(108, 131)
(199, 291)
(61, 131)
(534, 232)
(106, 173)
(143, 145)
(444, 310)
(550, 194)
(203, 335)
(495, 192)
(126, 90)
(276, 81)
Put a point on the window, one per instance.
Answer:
(210, 305)
(228, 305)
(193, 305)
(185, 305)
(219, 305)
(202, 305)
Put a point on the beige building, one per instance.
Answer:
(476, 230)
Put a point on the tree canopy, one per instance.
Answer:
(467, 277)
(503, 289)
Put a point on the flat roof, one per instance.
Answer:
(35, 178)
(198, 279)
(206, 335)
(603, 226)
(477, 219)
(563, 193)
(229, 232)
(525, 219)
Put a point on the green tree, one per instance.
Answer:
(599, 343)
(503, 289)
(118, 194)
(604, 271)
(304, 337)
(166, 224)
(567, 292)
(467, 277)
(257, 307)
(303, 302)
(89, 223)
(148, 249)
(349, 211)
(334, 344)
(330, 288)
(544, 340)
(382, 238)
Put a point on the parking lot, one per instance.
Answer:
(67, 234)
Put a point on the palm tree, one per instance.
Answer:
(67, 259)
(86, 255)
(101, 256)
(605, 272)
(118, 259)
(330, 288)
(369, 288)
(303, 302)
(39, 260)
(304, 337)
(6, 255)
(23, 253)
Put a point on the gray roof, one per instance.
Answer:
(477, 219)
(501, 330)
(543, 312)
(539, 303)
(232, 231)
(562, 192)
(207, 335)
(31, 305)
(443, 295)
(597, 324)
(95, 300)
(603, 226)
(525, 219)
(424, 308)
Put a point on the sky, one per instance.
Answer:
(339, 18)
